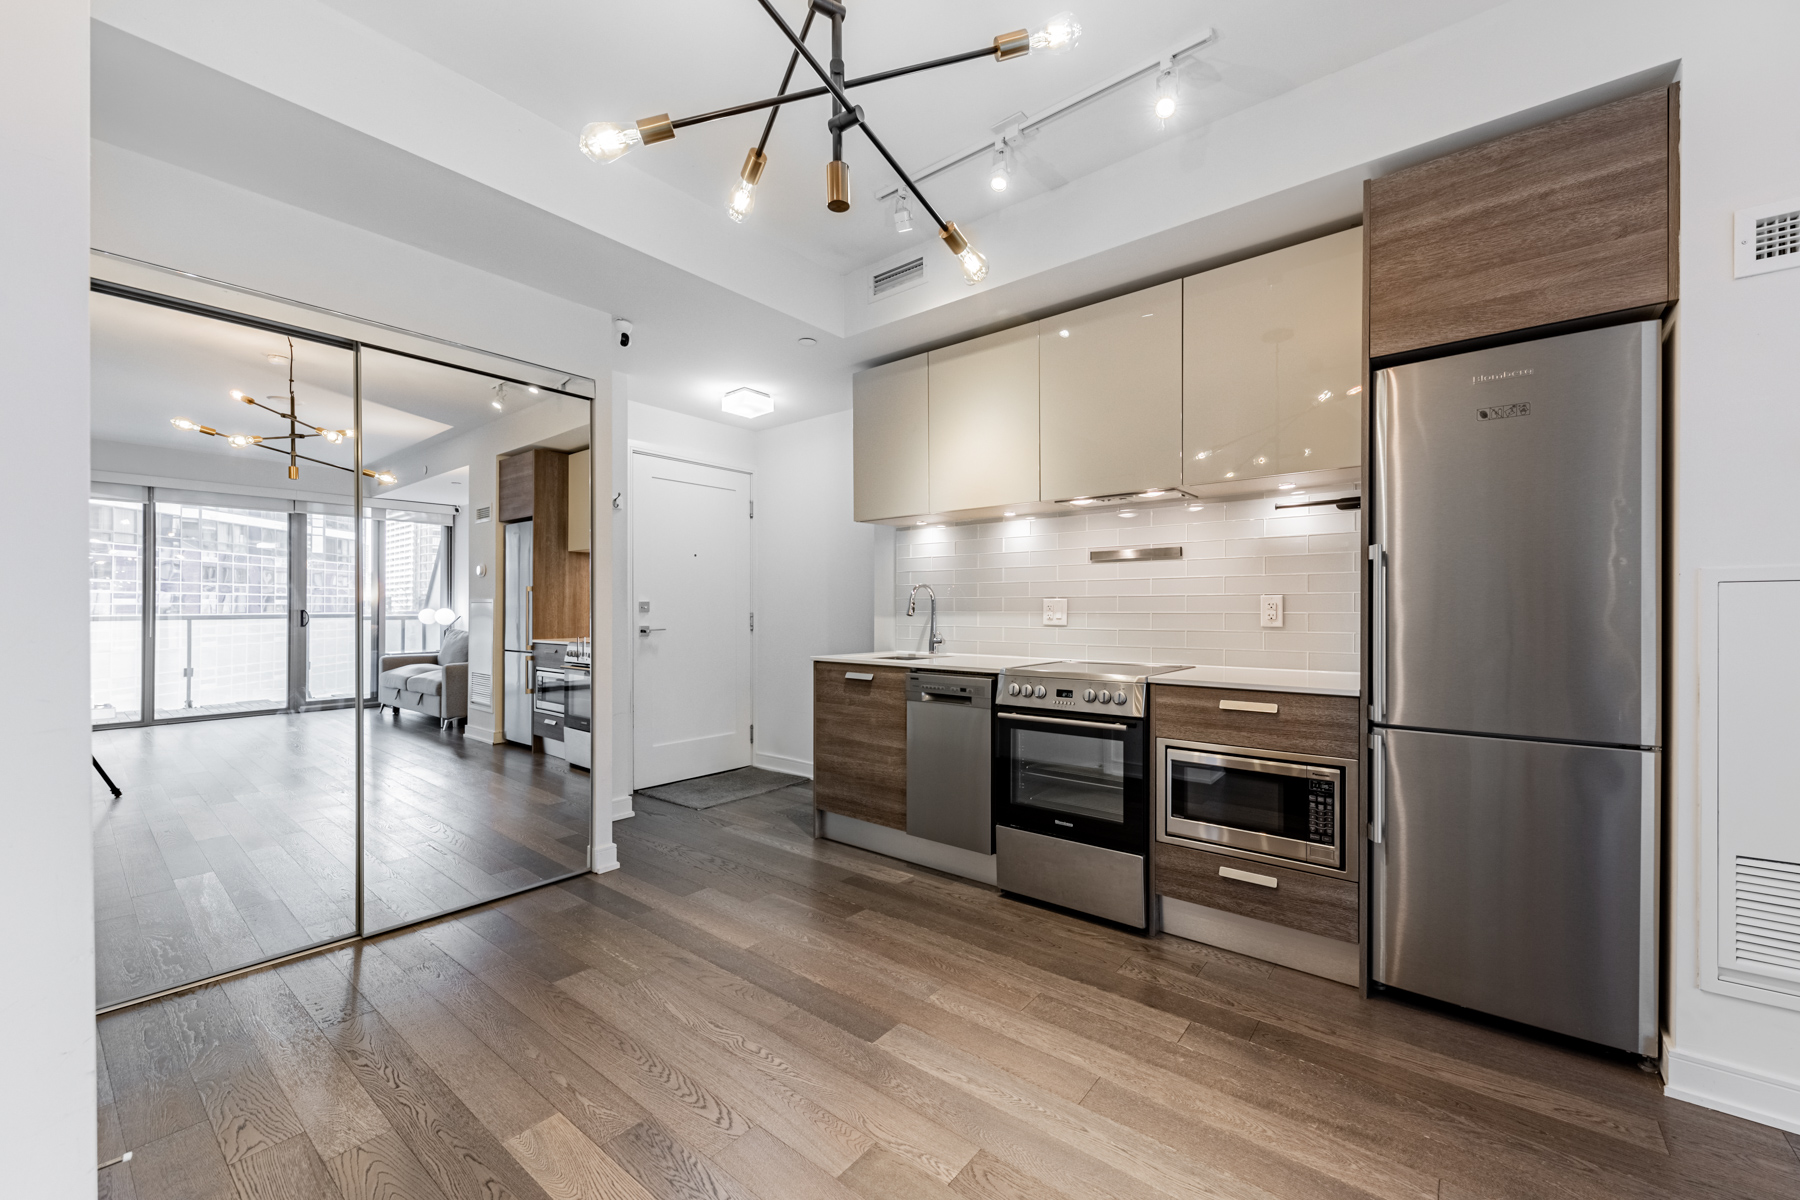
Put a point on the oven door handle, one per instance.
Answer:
(1063, 721)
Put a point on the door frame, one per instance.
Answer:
(626, 747)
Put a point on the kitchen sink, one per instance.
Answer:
(909, 655)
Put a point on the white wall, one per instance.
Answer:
(150, 210)
(46, 891)
(813, 578)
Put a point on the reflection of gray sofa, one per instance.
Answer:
(434, 684)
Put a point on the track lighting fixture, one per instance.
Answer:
(1165, 91)
(605, 141)
(1002, 173)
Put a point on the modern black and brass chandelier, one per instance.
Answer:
(604, 141)
(293, 437)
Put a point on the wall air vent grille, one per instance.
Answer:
(481, 690)
(1766, 238)
(484, 513)
(895, 279)
(1778, 236)
(1766, 927)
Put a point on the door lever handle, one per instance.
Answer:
(647, 630)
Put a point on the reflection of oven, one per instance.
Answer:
(1072, 788)
(562, 707)
(1290, 807)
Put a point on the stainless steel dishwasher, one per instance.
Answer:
(950, 759)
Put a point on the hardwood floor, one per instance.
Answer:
(235, 839)
(742, 1013)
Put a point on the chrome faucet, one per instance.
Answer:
(912, 603)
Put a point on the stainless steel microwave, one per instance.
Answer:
(1293, 808)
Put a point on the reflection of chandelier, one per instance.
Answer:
(604, 141)
(292, 437)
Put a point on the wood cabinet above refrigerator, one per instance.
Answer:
(891, 441)
(1110, 396)
(1571, 219)
(984, 421)
(1272, 350)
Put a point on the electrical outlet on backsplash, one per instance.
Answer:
(1202, 609)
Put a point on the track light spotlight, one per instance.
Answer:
(1002, 173)
(902, 214)
(1165, 91)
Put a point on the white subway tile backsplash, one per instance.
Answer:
(991, 580)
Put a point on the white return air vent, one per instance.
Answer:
(1766, 238)
(909, 274)
(484, 514)
(1766, 915)
(481, 690)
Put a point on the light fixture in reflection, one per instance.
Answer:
(1357, 390)
(1285, 487)
(1128, 513)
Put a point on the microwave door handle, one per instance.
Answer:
(1377, 787)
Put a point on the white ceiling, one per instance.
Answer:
(152, 364)
(451, 125)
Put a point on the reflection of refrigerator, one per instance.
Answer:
(1515, 682)
(517, 648)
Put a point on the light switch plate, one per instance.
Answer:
(1056, 612)
(1272, 612)
(643, 606)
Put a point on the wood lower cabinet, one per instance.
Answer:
(859, 742)
(1300, 900)
(1570, 219)
(1303, 723)
(1326, 904)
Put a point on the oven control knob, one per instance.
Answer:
(1088, 695)
(1039, 693)
(1012, 689)
(1118, 697)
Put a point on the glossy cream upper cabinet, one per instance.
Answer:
(984, 421)
(1272, 349)
(1110, 395)
(892, 448)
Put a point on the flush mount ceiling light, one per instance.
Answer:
(747, 402)
(293, 437)
(605, 141)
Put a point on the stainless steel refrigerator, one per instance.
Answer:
(1516, 585)
(517, 648)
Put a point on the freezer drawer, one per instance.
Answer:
(1519, 879)
(1517, 521)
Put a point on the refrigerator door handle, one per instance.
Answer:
(1378, 621)
(1377, 787)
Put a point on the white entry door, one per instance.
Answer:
(690, 619)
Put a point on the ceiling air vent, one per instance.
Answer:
(1768, 238)
(1766, 924)
(896, 279)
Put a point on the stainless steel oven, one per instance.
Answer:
(1297, 809)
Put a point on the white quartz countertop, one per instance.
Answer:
(982, 664)
(1266, 679)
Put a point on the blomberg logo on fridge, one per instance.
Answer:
(1502, 411)
(1497, 376)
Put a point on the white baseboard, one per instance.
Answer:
(1730, 1088)
(1295, 948)
(952, 860)
(474, 731)
(606, 858)
(782, 763)
(621, 807)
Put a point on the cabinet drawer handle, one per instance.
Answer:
(1267, 881)
(1249, 706)
(864, 676)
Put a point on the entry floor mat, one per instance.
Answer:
(707, 791)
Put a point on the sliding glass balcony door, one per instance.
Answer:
(116, 607)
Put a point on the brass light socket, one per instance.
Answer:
(652, 130)
(1016, 44)
(837, 185)
(953, 238)
(754, 162)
